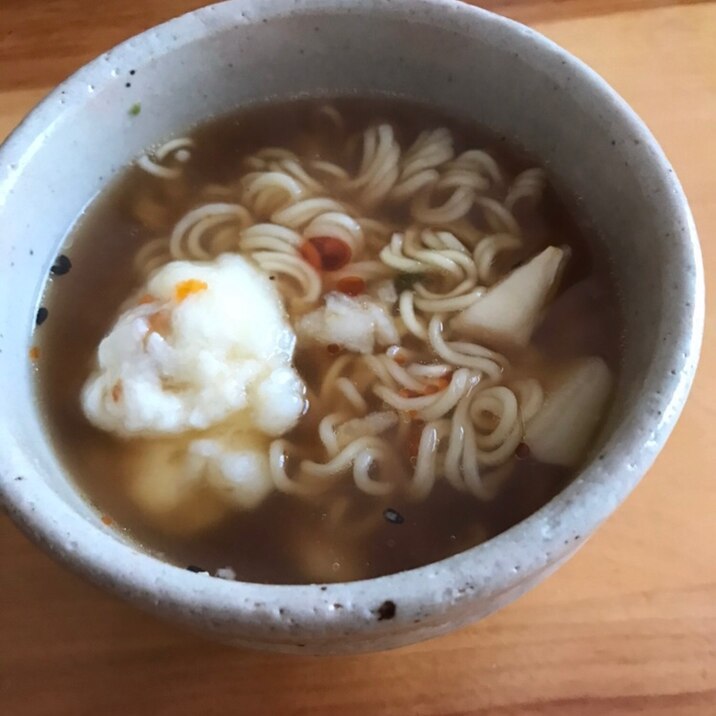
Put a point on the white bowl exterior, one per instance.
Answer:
(466, 61)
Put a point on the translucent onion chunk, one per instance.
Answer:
(560, 433)
(510, 311)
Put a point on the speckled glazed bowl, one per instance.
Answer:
(465, 60)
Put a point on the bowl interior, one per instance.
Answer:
(465, 61)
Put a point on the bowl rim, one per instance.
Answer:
(494, 567)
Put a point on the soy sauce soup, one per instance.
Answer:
(424, 425)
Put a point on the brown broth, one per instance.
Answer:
(287, 539)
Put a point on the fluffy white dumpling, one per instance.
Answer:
(189, 486)
(235, 467)
(206, 341)
(277, 402)
(166, 488)
(358, 324)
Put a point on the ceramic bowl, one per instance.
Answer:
(466, 61)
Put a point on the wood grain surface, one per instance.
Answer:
(627, 627)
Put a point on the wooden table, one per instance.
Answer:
(627, 627)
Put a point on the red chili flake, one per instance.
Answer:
(107, 520)
(444, 381)
(310, 255)
(439, 384)
(522, 452)
(34, 353)
(333, 348)
(407, 393)
(351, 285)
(333, 254)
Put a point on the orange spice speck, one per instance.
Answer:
(184, 289)
(146, 298)
(399, 358)
(34, 353)
(107, 520)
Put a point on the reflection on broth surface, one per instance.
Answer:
(406, 352)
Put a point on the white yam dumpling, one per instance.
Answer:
(510, 311)
(236, 467)
(277, 401)
(358, 324)
(188, 487)
(204, 342)
(164, 488)
(560, 432)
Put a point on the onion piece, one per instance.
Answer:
(510, 311)
(561, 430)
